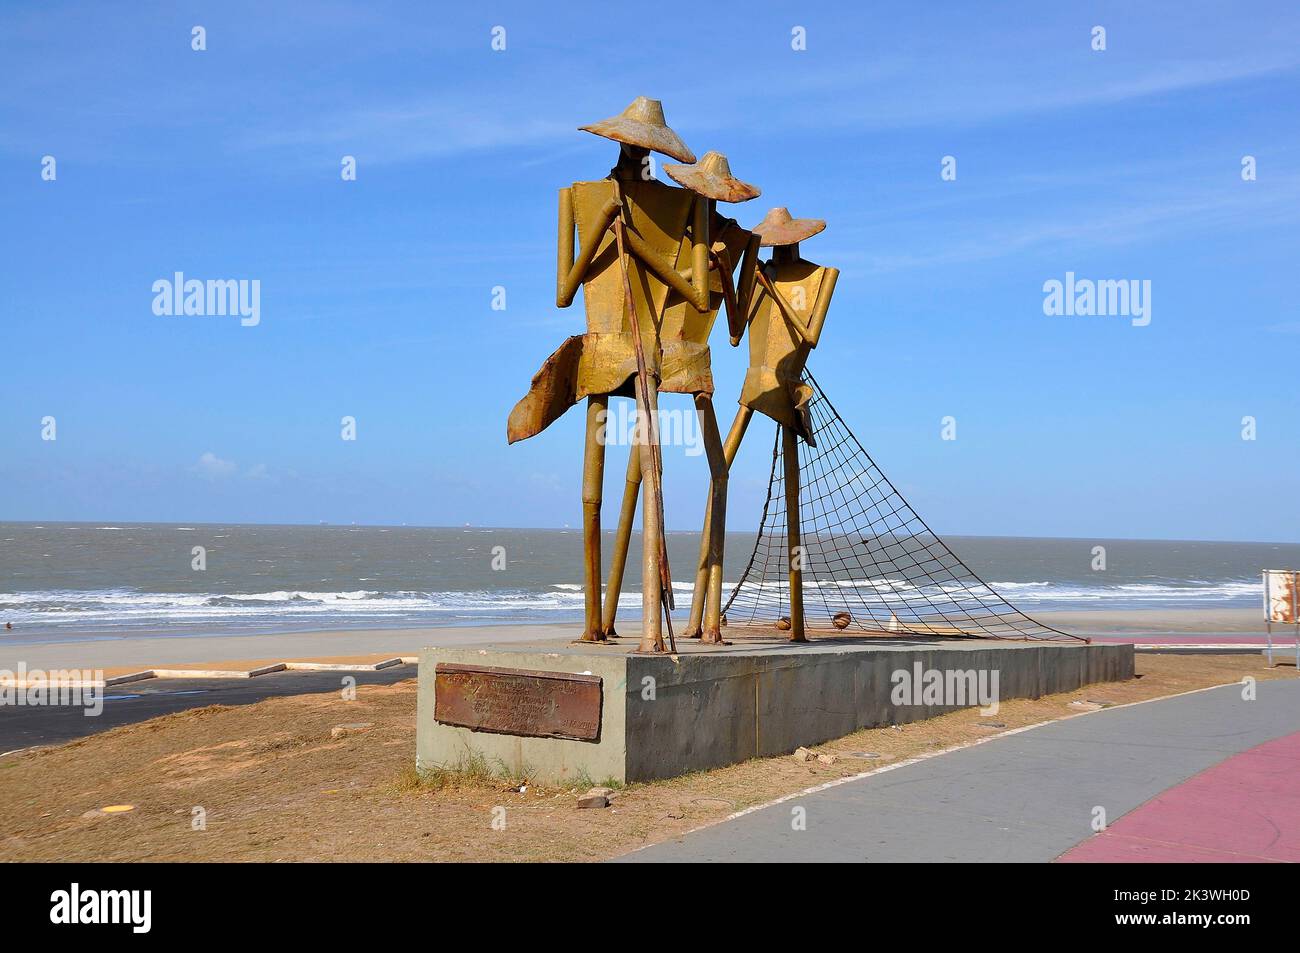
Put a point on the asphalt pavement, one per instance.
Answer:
(23, 726)
(1026, 797)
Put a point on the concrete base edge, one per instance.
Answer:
(664, 716)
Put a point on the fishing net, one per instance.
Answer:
(866, 555)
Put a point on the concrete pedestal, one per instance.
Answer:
(709, 706)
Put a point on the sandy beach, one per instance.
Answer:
(117, 654)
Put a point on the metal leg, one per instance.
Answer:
(593, 479)
(631, 490)
(652, 639)
(695, 621)
(790, 454)
(716, 518)
(704, 584)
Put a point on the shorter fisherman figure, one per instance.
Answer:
(785, 323)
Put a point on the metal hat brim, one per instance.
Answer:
(788, 233)
(722, 188)
(635, 133)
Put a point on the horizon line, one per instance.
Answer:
(577, 529)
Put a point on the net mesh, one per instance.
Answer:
(865, 552)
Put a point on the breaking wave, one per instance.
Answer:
(113, 609)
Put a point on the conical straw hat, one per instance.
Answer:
(643, 124)
(712, 178)
(778, 228)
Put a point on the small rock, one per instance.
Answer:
(865, 755)
(352, 728)
(992, 724)
(592, 800)
(607, 793)
(803, 754)
(1086, 706)
(828, 758)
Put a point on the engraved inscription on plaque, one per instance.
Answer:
(516, 701)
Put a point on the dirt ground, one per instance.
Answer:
(273, 785)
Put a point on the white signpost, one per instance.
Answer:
(1282, 605)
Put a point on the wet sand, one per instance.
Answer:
(131, 653)
(1159, 621)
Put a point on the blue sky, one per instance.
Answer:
(376, 293)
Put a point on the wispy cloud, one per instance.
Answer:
(876, 97)
(213, 467)
(1202, 209)
(401, 132)
(997, 92)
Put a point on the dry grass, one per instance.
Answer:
(275, 786)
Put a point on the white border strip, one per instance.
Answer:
(197, 673)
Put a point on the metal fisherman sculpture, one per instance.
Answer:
(789, 308)
(629, 257)
(684, 338)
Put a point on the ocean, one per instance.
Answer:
(83, 580)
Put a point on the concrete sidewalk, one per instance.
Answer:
(1029, 796)
(1243, 810)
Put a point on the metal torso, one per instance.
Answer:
(776, 351)
(685, 332)
(603, 360)
(659, 216)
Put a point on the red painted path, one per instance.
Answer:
(1244, 809)
(1286, 643)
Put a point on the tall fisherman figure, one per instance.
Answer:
(629, 229)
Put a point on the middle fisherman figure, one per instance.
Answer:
(684, 338)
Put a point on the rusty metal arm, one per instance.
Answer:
(818, 319)
(570, 271)
(564, 248)
(701, 244)
(787, 309)
(670, 276)
(735, 317)
(744, 290)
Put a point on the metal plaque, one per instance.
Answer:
(514, 701)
